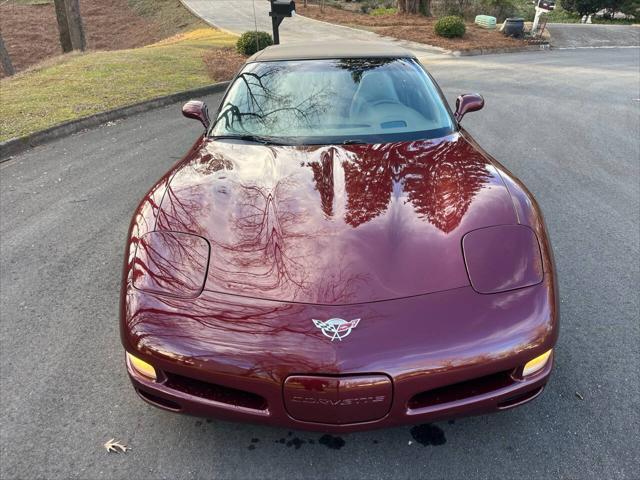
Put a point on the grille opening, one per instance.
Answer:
(520, 399)
(217, 393)
(161, 402)
(462, 390)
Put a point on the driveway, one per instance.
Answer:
(237, 16)
(576, 35)
(64, 212)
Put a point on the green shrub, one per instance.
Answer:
(560, 15)
(501, 9)
(450, 27)
(251, 42)
(369, 6)
(378, 12)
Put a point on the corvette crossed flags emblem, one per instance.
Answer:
(336, 328)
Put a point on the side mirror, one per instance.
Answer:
(469, 102)
(198, 110)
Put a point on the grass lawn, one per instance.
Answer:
(77, 85)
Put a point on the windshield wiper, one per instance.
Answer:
(251, 138)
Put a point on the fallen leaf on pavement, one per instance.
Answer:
(117, 447)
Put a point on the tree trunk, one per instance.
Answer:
(408, 6)
(75, 25)
(7, 66)
(425, 7)
(63, 26)
(415, 6)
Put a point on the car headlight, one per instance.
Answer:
(171, 263)
(502, 258)
(537, 364)
(143, 368)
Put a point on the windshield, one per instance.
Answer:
(334, 101)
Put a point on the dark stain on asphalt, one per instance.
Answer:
(289, 434)
(334, 443)
(255, 440)
(451, 422)
(375, 441)
(427, 434)
(198, 423)
(296, 442)
(292, 442)
(251, 447)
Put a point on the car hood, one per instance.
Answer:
(335, 225)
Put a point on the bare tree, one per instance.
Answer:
(63, 25)
(70, 25)
(415, 6)
(76, 28)
(7, 66)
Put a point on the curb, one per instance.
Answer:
(14, 146)
(489, 51)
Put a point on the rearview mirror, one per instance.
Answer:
(469, 102)
(198, 110)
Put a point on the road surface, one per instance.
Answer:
(576, 35)
(566, 122)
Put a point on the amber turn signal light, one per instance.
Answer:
(536, 364)
(142, 367)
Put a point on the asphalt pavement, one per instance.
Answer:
(566, 122)
(577, 35)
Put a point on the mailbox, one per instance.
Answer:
(280, 8)
(546, 5)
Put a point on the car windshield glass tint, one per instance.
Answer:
(334, 101)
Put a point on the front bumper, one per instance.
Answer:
(458, 400)
(447, 354)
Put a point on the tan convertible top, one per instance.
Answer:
(330, 49)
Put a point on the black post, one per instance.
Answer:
(275, 22)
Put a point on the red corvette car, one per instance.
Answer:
(336, 253)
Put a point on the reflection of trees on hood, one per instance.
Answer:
(368, 183)
(439, 180)
(323, 179)
(442, 183)
(270, 250)
(179, 208)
